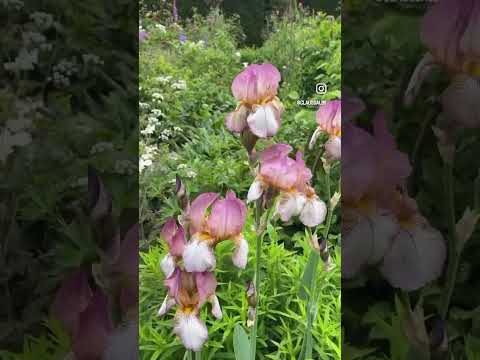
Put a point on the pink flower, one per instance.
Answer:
(174, 235)
(85, 314)
(329, 119)
(291, 179)
(259, 110)
(190, 291)
(213, 220)
(372, 166)
(450, 31)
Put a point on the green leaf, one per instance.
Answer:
(241, 343)
(308, 274)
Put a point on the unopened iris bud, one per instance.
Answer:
(251, 295)
(181, 192)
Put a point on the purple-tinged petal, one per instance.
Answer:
(227, 218)
(237, 121)
(206, 286)
(167, 304)
(198, 256)
(199, 206)
(333, 148)
(94, 327)
(72, 298)
(274, 151)
(173, 284)
(314, 212)
(329, 117)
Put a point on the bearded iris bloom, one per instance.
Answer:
(450, 31)
(212, 220)
(291, 179)
(190, 291)
(329, 120)
(259, 109)
(382, 225)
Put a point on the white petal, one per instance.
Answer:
(216, 309)
(314, 138)
(460, 101)
(198, 256)
(333, 147)
(366, 243)
(168, 265)
(264, 122)
(416, 258)
(240, 256)
(313, 212)
(191, 330)
(255, 191)
(289, 205)
(166, 306)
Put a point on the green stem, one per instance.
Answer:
(198, 355)
(312, 289)
(258, 254)
(453, 253)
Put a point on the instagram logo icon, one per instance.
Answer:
(321, 88)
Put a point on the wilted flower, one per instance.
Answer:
(189, 291)
(291, 179)
(212, 220)
(259, 109)
(175, 11)
(329, 118)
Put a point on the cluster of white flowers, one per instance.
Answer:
(179, 85)
(25, 60)
(16, 132)
(144, 106)
(152, 123)
(63, 72)
(101, 147)
(189, 173)
(163, 79)
(161, 27)
(42, 20)
(125, 167)
(146, 159)
(166, 134)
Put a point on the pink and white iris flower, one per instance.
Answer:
(212, 220)
(190, 291)
(382, 226)
(450, 31)
(291, 179)
(259, 109)
(329, 119)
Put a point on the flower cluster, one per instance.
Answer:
(450, 32)
(329, 117)
(291, 179)
(259, 110)
(190, 262)
(382, 226)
